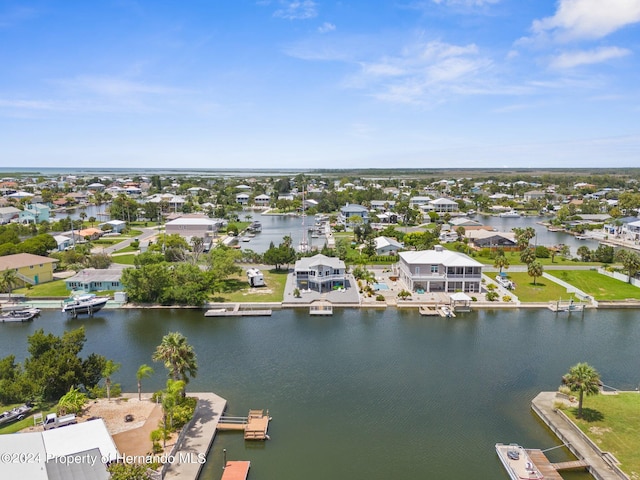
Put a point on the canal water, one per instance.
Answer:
(370, 394)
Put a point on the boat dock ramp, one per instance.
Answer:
(254, 425)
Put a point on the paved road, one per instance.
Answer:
(146, 234)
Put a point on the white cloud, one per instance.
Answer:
(424, 73)
(297, 10)
(326, 27)
(588, 19)
(588, 57)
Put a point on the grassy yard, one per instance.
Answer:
(57, 288)
(597, 285)
(237, 289)
(514, 258)
(613, 422)
(124, 259)
(14, 427)
(544, 290)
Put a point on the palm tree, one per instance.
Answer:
(110, 367)
(501, 262)
(582, 378)
(178, 357)
(144, 371)
(528, 255)
(534, 269)
(9, 280)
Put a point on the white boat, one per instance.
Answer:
(80, 304)
(516, 461)
(510, 214)
(245, 239)
(22, 315)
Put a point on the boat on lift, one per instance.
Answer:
(88, 303)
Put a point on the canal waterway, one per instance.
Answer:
(370, 394)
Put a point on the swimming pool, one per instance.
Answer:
(380, 286)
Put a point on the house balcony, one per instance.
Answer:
(320, 278)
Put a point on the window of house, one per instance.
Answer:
(434, 268)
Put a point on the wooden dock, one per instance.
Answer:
(428, 311)
(236, 470)
(550, 470)
(566, 306)
(237, 312)
(255, 425)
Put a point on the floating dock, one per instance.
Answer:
(236, 470)
(428, 311)
(237, 312)
(255, 425)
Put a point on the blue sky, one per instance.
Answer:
(320, 84)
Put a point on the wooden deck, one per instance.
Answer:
(236, 470)
(428, 311)
(543, 464)
(574, 465)
(255, 425)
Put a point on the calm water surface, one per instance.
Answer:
(370, 394)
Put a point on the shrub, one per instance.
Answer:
(506, 298)
(380, 298)
(492, 296)
(474, 299)
(183, 413)
(491, 287)
(100, 391)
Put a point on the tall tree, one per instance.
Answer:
(528, 256)
(110, 367)
(534, 269)
(501, 262)
(584, 379)
(9, 280)
(144, 371)
(178, 357)
(630, 262)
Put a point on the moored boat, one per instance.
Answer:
(81, 304)
(23, 315)
(510, 214)
(516, 461)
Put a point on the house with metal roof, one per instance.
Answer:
(439, 270)
(353, 210)
(387, 246)
(320, 273)
(95, 279)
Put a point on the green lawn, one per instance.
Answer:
(57, 288)
(124, 259)
(544, 290)
(514, 258)
(27, 422)
(237, 289)
(600, 287)
(128, 249)
(613, 423)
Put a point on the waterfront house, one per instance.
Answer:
(353, 210)
(320, 273)
(481, 238)
(439, 270)
(64, 242)
(383, 205)
(442, 205)
(116, 226)
(30, 269)
(242, 199)
(8, 213)
(92, 279)
(35, 213)
(262, 200)
(387, 246)
(190, 226)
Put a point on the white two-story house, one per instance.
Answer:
(320, 273)
(439, 270)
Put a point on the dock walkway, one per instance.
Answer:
(255, 425)
(198, 437)
(601, 465)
